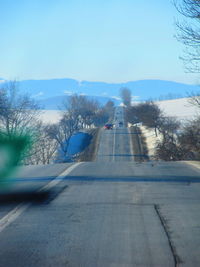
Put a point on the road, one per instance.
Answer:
(111, 212)
(115, 145)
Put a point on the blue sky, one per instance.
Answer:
(94, 40)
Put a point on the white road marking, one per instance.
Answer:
(12, 215)
(58, 179)
(17, 211)
(114, 144)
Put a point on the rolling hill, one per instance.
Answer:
(50, 92)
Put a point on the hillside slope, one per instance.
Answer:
(141, 90)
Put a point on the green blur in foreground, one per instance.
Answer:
(12, 151)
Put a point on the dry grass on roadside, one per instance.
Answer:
(139, 144)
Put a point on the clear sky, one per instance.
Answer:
(94, 40)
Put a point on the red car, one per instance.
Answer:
(108, 126)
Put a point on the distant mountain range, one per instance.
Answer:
(50, 92)
(55, 102)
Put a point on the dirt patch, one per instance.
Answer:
(89, 153)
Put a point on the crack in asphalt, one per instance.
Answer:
(177, 259)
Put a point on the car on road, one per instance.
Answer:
(120, 124)
(108, 126)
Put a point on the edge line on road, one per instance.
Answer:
(60, 177)
(114, 141)
(194, 164)
(131, 144)
(17, 211)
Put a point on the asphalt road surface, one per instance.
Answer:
(115, 145)
(112, 212)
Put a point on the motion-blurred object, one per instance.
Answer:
(12, 151)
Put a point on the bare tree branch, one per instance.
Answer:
(188, 33)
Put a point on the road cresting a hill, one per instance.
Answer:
(195, 164)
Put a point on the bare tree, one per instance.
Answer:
(181, 145)
(101, 117)
(18, 112)
(194, 99)
(168, 127)
(131, 115)
(19, 118)
(188, 32)
(3, 103)
(47, 147)
(80, 110)
(190, 139)
(61, 133)
(126, 96)
(148, 113)
(43, 146)
(88, 111)
(108, 110)
(169, 148)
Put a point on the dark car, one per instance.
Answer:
(108, 126)
(120, 124)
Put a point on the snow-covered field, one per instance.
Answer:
(151, 140)
(179, 108)
(50, 116)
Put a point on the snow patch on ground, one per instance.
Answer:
(151, 139)
(77, 143)
(50, 116)
(179, 108)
